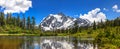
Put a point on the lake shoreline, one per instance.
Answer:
(18, 34)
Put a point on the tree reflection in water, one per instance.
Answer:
(36, 42)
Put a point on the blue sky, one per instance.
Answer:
(73, 8)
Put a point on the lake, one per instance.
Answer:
(45, 42)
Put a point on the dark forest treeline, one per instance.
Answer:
(18, 22)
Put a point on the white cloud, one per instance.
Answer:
(115, 8)
(15, 6)
(94, 15)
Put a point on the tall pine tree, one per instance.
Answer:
(18, 20)
(94, 25)
(2, 19)
(9, 16)
(33, 22)
(28, 22)
(23, 22)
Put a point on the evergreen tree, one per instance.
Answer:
(76, 27)
(2, 19)
(116, 22)
(18, 20)
(28, 22)
(24, 22)
(119, 20)
(108, 23)
(33, 23)
(9, 16)
(102, 24)
(14, 21)
(21, 24)
(80, 29)
(94, 25)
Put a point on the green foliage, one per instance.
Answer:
(33, 23)
(109, 36)
(2, 19)
(23, 22)
(108, 46)
(18, 20)
(16, 25)
(28, 22)
(48, 34)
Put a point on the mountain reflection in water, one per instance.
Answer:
(46, 42)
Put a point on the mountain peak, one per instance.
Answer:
(60, 21)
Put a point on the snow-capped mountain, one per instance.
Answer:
(61, 21)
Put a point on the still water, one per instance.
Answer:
(46, 42)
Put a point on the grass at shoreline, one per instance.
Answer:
(19, 34)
